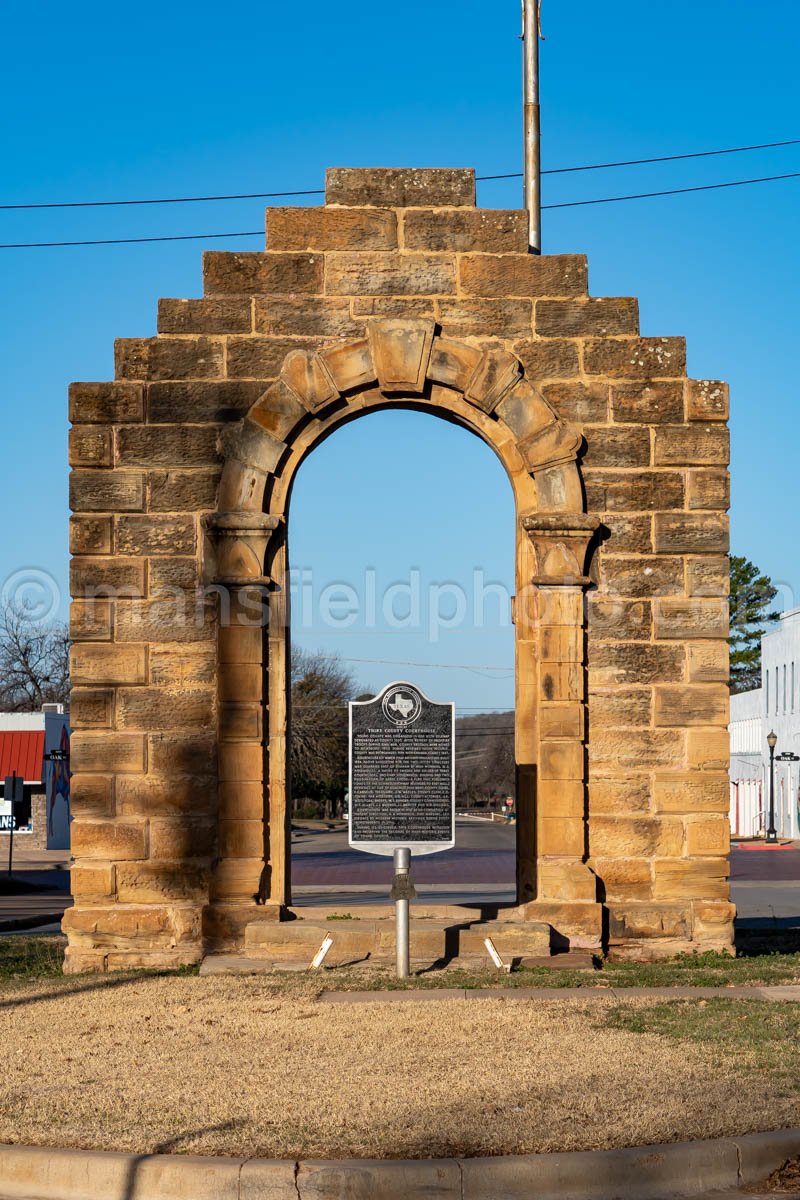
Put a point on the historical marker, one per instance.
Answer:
(402, 787)
(402, 776)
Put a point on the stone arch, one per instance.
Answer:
(409, 362)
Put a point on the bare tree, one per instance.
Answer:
(321, 687)
(34, 661)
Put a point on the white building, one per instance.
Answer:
(774, 707)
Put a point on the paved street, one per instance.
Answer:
(765, 883)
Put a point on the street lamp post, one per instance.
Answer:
(772, 741)
(787, 757)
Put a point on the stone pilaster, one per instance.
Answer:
(560, 545)
(240, 544)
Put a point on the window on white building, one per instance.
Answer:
(766, 697)
(792, 687)
(784, 687)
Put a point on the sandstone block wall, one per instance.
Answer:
(631, 663)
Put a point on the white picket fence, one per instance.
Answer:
(747, 808)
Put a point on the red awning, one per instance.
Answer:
(22, 750)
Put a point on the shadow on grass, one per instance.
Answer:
(169, 1147)
(94, 983)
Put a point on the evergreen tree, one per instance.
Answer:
(751, 596)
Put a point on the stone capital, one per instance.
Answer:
(561, 545)
(241, 541)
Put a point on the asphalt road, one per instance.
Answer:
(765, 883)
(480, 870)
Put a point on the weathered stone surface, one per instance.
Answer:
(708, 749)
(90, 578)
(155, 535)
(708, 835)
(91, 446)
(400, 352)
(695, 878)
(645, 576)
(523, 275)
(176, 618)
(391, 306)
(553, 358)
(589, 317)
(103, 663)
(381, 274)
(116, 840)
(307, 316)
(400, 187)
(327, 228)
(708, 662)
(633, 491)
(706, 400)
(636, 748)
(647, 403)
(628, 534)
(106, 491)
(692, 445)
(701, 704)
(91, 620)
(198, 402)
(613, 447)
(467, 230)
(165, 707)
(621, 620)
(90, 535)
(164, 794)
(91, 708)
(583, 403)
(619, 794)
(178, 446)
(485, 318)
(621, 664)
(709, 488)
(113, 403)
(707, 576)
(183, 491)
(691, 619)
(636, 358)
(92, 882)
(155, 883)
(118, 753)
(621, 709)
(691, 792)
(649, 921)
(624, 878)
(181, 663)
(169, 358)
(258, 357)
(636, 837)
(92, 795)
(218, 314)
(690, 533)
(252, 274)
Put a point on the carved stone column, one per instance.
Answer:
(556, 612)
(240, 544)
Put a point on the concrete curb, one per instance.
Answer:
(646, 1172)
(774, 993)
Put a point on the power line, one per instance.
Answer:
(194, 237)
(632, 162)
(705, 187)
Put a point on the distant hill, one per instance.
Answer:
(484, 757)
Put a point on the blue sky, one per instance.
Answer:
(112, 102)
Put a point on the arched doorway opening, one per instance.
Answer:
(401, 550)
(408, 364)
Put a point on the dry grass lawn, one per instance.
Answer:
(225, 1065)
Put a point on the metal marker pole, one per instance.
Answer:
(11, 825)
(401, 892)
(532, 144)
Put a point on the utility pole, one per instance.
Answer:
(533, 157)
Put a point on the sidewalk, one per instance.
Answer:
(43, 896)
(772, 993)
